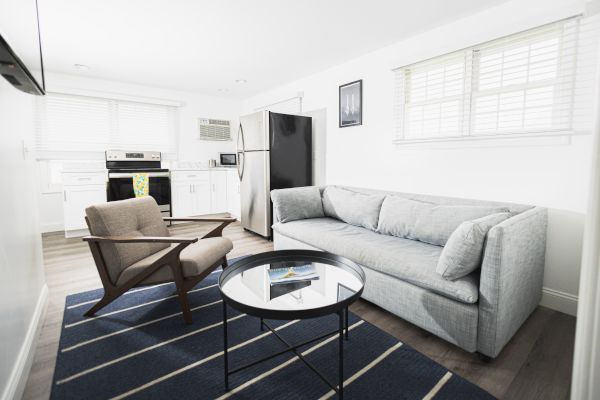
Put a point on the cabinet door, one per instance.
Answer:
(233, 193)
(201, 193)
(76, 199)
(182, 199)
(218, 197)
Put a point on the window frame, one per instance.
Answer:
(471, 92)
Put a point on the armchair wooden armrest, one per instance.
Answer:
(199, 219)
(139, 239)
(218, 231)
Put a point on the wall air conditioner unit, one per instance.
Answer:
(214, 129)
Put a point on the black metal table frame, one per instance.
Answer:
(341, 309)
(342, 333)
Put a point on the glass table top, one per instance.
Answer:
(334, 279)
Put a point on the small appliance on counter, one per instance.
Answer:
(228, 160)
(212, 163)
(123, 165)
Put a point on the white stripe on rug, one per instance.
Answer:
(90, 319)
(197, 363)
(364, 370)
(96, 339)
(128, 292)
(283, 365)
(144, 350)
(438, 386)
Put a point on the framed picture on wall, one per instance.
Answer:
(351, 104)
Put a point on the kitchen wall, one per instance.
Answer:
(23, 291)
(190, 148)
(549, 172)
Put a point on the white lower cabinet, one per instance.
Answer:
(190, 193)
(218, 194)
(79, 192)
(233, 193)
(204, 192)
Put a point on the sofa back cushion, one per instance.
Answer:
(132, 217)
(427, 222)
(354, 208)
(462, 253)
(297, 203)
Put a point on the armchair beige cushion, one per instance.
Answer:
(195, 259)
(132, 217)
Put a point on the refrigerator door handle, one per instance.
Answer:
(240, 166)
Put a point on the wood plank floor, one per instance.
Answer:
(536, 364)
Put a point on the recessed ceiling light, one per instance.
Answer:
(223, 90)
(81, 67)
(240, 81)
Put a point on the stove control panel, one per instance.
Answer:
(121, 155)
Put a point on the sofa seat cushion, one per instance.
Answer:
(409, 260)
(196, 259)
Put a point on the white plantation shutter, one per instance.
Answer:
(435, 98)
(72, 126)
(145, 126)
(536, 81)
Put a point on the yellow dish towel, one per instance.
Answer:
(141, 184)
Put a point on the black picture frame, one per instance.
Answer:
(349, 113)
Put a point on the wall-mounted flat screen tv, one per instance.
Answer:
(21, 60)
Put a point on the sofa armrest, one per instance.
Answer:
(296, 203)
(512, 274)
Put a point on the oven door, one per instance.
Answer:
(120, 187)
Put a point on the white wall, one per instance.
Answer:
(545, 172)
(22, 282)
(190, 148)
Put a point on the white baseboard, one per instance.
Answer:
(18, 378)
(559, 301)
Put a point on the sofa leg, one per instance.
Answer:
(484, 358)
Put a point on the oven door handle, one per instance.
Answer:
(131, 174)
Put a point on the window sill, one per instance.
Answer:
(518, 138)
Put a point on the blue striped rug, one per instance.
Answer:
(139, 348)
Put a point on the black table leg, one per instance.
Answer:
(225, 356)
(341, 355)
(346, 323)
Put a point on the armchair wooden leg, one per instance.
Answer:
(104, 301)
(185, 307)
(183, 300)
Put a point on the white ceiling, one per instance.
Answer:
(204, 46)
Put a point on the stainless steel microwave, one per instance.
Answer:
(228, 159)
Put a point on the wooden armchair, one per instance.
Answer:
(131, 246)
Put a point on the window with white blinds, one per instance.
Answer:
(68, 125)
(533, 82)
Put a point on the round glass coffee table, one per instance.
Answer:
(290, 285)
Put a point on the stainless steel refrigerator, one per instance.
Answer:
(274, 152)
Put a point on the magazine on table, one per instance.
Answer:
(279, 276)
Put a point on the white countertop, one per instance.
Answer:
(84, 171)
(202, 169)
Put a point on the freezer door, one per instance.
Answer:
(291, 151)
(254, 131)
(254, 192)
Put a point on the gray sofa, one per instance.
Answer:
(479, 312)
